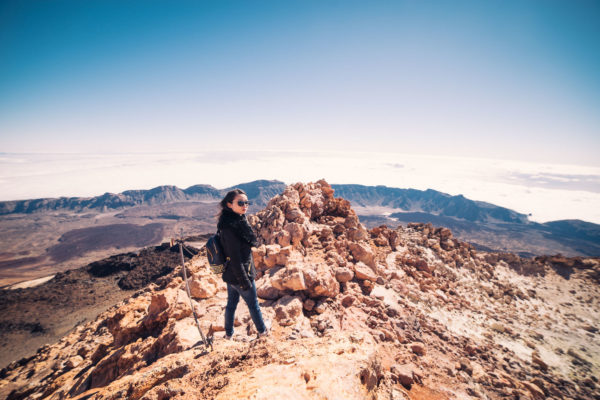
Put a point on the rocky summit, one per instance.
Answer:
(406, 313)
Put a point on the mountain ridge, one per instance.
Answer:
(129, 198)
(430, 201)
(481, 223)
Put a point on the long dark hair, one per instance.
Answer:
(228, 199)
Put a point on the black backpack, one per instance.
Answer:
(215, 253)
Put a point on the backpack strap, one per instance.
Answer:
(226, 258)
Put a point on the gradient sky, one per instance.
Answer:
(501, 79)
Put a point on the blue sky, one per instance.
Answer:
(499, 79)
(496, 100)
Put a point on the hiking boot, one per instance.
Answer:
(267, 329)
(227, 337)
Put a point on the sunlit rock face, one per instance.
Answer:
(383, 313)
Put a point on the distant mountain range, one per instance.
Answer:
(486, 225)
(258, 191)
(427, 201)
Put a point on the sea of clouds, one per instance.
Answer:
(546, 191)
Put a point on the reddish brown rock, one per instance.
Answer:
(296, 231)
(271, 256)
(363, 252)
(309, 304)
(203, 286)
(283, 238)
(295, 214)
(291, 278)
(320, 281)
(403, 374)
(288, 309)
(536, 392)
(357, 234)
(344, 274)
(348, 300)
(418, 348)
(266, 290)
(147, 347)
(364, 272)
(537, 360)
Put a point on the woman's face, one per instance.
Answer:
(239, 204)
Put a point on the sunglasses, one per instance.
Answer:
(242, 203)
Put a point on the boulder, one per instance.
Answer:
(182, 335)
(403, 374)
(74, 361)
(271, 255)
(296, 232)
(363, 252)
(291, 278)
(203, 287)
(266, 290)
(357, 234)
(283, 238)
(363, 272)
(309, 304)
(288, 309)
(351, 221)
(295, 214)
(335, 258)
(381, 241)
(258, 253)
(445, 233)
(169, 303)
(418, 348)
(320, 281)
(285, 254)
(344, 274)
(326, 233)
(271, 220)
(348, 300)
(478, 373)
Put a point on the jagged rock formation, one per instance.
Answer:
(407, 313)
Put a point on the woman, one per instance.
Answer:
(237, 239)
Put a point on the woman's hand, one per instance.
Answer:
(245, 285)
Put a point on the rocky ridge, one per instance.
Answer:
(32, 316)
(406, 313)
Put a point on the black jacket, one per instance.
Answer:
(237, 238)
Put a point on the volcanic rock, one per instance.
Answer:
(409, 312)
